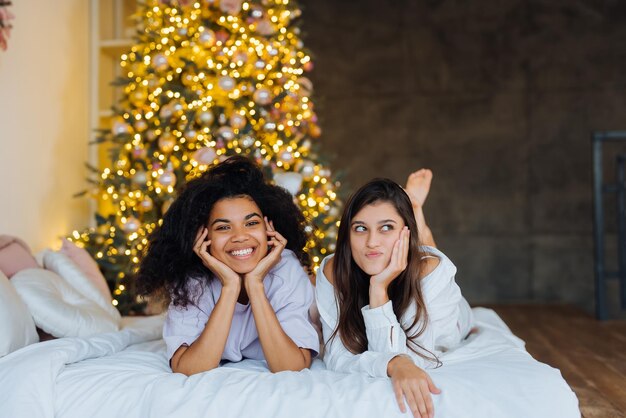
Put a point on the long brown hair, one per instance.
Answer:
(352, 283)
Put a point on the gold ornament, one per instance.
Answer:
(262, 96)
(237, 121)
(167, 141)
(141, 125)
(138, 97)
(207, 38)
(205, 117)
(121, 164)
(146, 204)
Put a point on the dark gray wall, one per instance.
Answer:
(499, 99)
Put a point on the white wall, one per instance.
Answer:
(44, 123)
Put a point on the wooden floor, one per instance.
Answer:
(590, 354)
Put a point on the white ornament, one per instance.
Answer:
(226, 83)
(286, 157)
(120, 128)
(140, 177)
(160, 62)
(289, 180)
(226, 133)
(325, 172)
(307, 169)
(131, 225)
(247, 141)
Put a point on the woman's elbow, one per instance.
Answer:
(189, 371)
(301, 363)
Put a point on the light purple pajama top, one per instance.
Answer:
(288, 290)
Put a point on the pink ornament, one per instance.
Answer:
(205, 155)
(306, 86)
(232, 7)
(168, 178)
(265, 28)
(222, 36)
(139, 153)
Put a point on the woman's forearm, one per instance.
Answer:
(280, 351)
(206, 352)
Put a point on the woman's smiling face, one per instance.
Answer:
(237, 233)
(373, 233)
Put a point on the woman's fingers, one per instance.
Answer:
(200, 236)
(276, 236)
(431, 386)
(428, 401)
(204, 246)
(420, 402)
(411, 401)
(399, 396)
(404, 261)
(400, 252)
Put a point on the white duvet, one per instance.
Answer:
(125, 374)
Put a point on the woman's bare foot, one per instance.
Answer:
(418, 186)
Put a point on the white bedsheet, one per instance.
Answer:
(125, 374)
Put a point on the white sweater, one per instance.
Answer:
(449, 321)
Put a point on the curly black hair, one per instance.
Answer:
(169, 262)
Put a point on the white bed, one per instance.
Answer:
(125, 374)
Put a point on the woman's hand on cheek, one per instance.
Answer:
(225, 274)
(413, 386)
(397, 263)
(276, 244)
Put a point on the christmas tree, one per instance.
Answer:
(206, 80)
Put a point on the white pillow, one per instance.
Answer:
(58, 308)
(68, 270)
(17, 328)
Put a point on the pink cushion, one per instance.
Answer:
(87, 265)
(14, 255)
